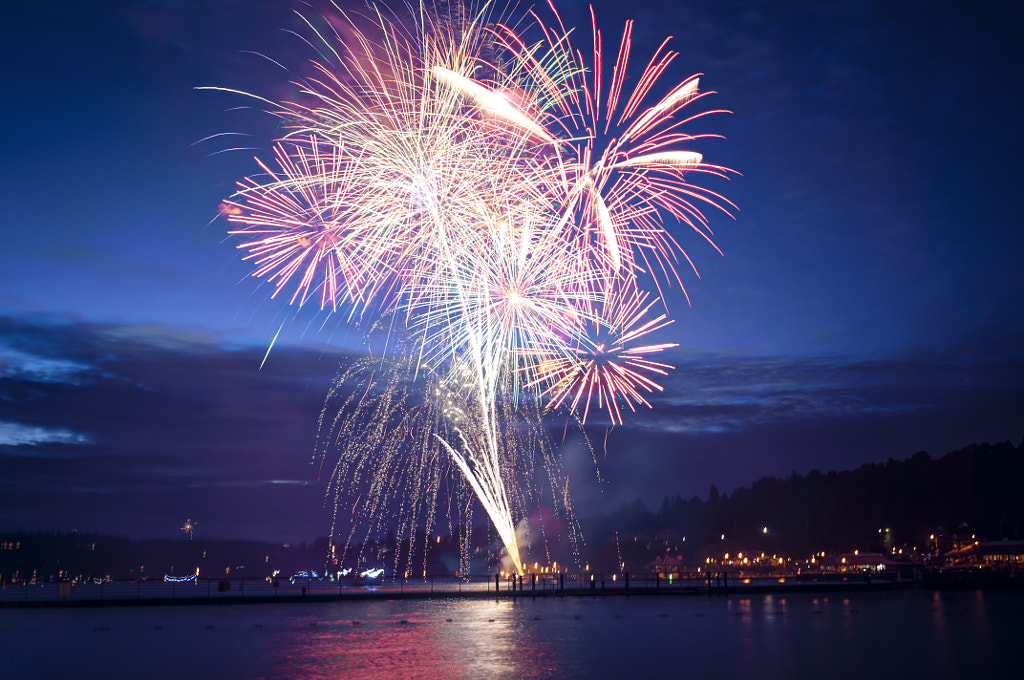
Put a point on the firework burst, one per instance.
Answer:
(606, 368)
(505, 201)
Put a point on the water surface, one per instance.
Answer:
(908, 634)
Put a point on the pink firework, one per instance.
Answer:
(508, 198)
(623, 166)
(607, 367)
(296, 227)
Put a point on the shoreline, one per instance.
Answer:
(740, 589)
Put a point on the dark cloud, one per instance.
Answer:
(151, 413)
(142, 427)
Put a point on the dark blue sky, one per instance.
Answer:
(869, 302)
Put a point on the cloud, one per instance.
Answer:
(252, 483)
(719, 393)
(15, 363)
(158, 423)
(16, 434)
(155, 427)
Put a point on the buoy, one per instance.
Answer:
(448, 620)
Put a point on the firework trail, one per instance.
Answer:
(505, 205)
(383, 419)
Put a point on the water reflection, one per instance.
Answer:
(774, 636)
(952, 634)
(426, 641)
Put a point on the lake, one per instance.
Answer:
(900, 634)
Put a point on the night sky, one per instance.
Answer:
(868, 304)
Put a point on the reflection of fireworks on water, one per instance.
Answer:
(507, 204)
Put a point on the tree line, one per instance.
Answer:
(919, 503)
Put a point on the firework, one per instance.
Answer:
(607, 368)
(506, 206)
(384, 419)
